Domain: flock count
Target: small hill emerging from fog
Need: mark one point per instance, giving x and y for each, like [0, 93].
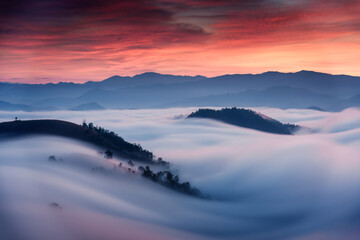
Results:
[87, 133]
[87, 107]
[246, 118]
[316, 108]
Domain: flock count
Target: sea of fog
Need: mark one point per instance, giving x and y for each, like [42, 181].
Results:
[262, 186]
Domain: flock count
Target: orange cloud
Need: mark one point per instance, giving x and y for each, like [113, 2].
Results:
[81, 40]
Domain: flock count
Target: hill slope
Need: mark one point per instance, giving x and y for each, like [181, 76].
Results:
[246, 118]
[87, 107]
[5, 106]
[90, 134]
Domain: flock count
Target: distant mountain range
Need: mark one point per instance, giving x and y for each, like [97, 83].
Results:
[246, 118]
[302, 89]
[87, 107]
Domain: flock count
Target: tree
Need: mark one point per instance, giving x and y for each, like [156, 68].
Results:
[185, 186]
[176, 179]
[108, 154]
[160, 175]
[169, 177]
[147, 172]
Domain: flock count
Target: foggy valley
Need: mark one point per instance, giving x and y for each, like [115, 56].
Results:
[179, 120]
[261, 185]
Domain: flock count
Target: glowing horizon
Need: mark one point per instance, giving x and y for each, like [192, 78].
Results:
[79, 41]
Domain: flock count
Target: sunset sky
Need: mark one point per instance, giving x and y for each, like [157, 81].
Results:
[80, 40]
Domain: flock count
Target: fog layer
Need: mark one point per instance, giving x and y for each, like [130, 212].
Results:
[262, 186]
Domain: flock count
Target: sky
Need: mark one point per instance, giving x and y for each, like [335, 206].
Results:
[81, 40]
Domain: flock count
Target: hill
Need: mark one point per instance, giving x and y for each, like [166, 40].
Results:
[87, 107]
[107, 140]
[316, 108]
[246, 118]
[87, 133]
[278, 96]
[5, 106]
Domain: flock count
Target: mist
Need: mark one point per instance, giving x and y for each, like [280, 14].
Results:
[262, 186]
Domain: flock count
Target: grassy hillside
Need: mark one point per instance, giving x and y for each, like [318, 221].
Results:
[87, 133]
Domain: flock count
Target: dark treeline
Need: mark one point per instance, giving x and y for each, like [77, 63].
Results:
[101, 130]
[86, 132]
[246, 118]
[120, 142]
[168, 179]
[131, 147]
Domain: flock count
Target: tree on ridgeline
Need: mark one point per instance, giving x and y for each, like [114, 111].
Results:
[135, 150]
[167, 178]
[108, 154]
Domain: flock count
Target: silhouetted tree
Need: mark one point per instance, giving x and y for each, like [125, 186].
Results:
[108, 154]
[176, 179]
[135, 151]
[167, 179]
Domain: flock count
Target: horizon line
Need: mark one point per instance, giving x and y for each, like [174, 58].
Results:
[176, 75]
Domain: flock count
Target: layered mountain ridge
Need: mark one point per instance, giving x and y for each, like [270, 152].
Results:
[153, 90]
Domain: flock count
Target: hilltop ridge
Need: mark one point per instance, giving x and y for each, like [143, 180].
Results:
[87, 133]
[246, 118]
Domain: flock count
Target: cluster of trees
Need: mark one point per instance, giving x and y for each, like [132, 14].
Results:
[292, 127]
[52, 158]
[134, 151]
[169, 180]
[101, 130]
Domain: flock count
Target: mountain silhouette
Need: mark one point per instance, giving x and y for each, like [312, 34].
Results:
[5, 106]
[153, 90]
[246, 118]
[88, 107]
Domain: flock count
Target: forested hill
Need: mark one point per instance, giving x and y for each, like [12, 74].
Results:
[86, 132]
[246, 118]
